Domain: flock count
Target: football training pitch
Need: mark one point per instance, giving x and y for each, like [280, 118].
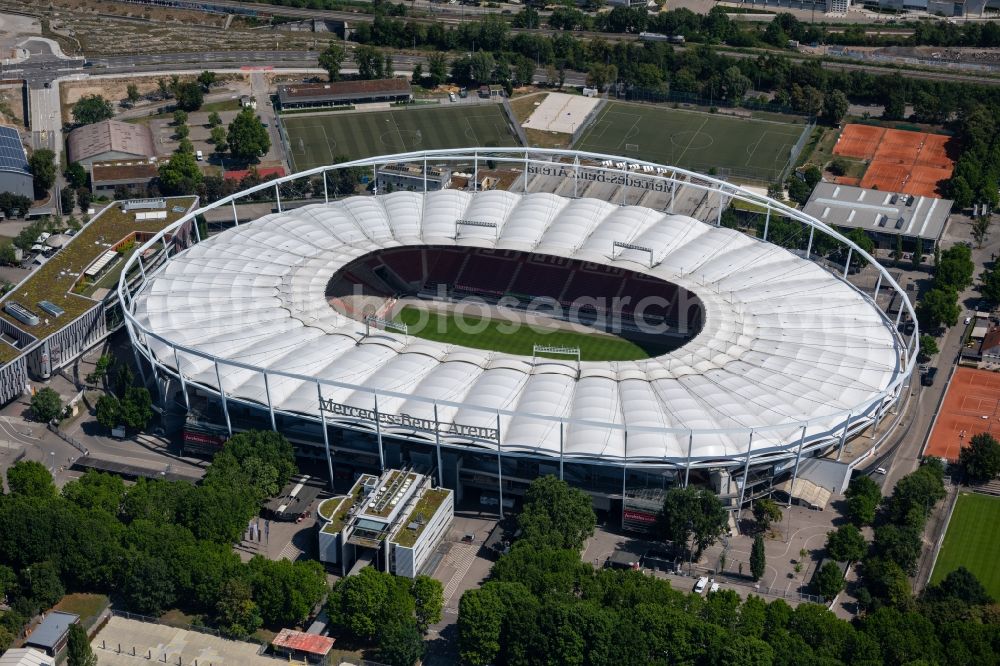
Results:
[493, 334]
[738, 147]
[316, 140]
[973, 541]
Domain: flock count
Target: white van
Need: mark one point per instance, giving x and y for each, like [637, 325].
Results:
[198, 155]
[451, 96]
[699, 587]
[714, 588]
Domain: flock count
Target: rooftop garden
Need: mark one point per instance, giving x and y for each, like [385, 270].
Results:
[422, 513]
[55, 280]
[338, 515]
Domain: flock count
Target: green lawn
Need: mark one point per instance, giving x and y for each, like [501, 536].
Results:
[88, 606]
[973, 541]
[483, 333]
[316, 140]
[734, 147]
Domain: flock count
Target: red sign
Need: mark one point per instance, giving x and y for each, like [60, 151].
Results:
[640, 516]
[199, 438]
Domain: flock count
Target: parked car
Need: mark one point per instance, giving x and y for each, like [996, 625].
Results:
[881, 470]
[699, 587]
[927, 379]
[714, 588]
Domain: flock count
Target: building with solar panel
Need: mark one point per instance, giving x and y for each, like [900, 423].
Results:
[15, 176]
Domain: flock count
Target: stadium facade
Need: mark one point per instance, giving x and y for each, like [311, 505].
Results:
[780, 357]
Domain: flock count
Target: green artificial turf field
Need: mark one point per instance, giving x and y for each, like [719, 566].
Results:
[315, 140]
[736, 147]
[973, 541]
[479, 333]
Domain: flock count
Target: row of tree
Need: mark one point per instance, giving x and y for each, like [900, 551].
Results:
[157, 544]
[542, 604]
[953, 272]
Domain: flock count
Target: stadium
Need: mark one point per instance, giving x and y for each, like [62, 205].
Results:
[753, 357]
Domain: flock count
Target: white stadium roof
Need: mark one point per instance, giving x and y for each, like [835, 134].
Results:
[784, 341]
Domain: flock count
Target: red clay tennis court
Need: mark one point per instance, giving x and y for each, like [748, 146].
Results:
[971, 405]
[899, 160]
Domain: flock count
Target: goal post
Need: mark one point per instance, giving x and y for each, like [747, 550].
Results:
[538, 350]
[631, 148]
[476, 223]
[617, 246]
[380, 323]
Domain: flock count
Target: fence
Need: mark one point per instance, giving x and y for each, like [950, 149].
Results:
[512, 121]
[187, 627]
[793, 156]
[646, 95]
[69, 439]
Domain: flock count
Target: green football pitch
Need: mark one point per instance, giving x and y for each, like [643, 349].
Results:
[736, 147]
[483, 333]
[315, 140]
[973, 541]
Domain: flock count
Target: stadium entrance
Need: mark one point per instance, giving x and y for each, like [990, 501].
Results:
[517, 302]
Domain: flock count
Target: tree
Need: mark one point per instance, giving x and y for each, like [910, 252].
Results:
[206, 80]
[185, 145]
[960, 584]
[96, 491]
[428, 596]
[248, 138]
[180, 117]
[76, 175]
[980, 229]
[734, 85]
[132, 94]
[83, 198]
[369, 61]
[835, 107]
[236, 612]
[980, 460]
[16, 205]
[43, 170]
[358, 602]
[556, 515]
[214, 119]
[928, 347]
[480, 620]
[182, 132]
[148, 584]
[286, 591]
[332, 59]
[108, 411]
[91, 109]
[846, 544]
[829, 580]
[78, 652]
[179, 175]
[991, 285]
[400, 643]
[765, 512]
[46, 405]
[437, 69]
[218, 138]
[8, 256]
[417, 77]
[101, 368]
[189, 96]
[40, 583]
[758, 558]
[692, 512]
[67, 199]
[30, 479]
[955, 268]
[938, 307]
